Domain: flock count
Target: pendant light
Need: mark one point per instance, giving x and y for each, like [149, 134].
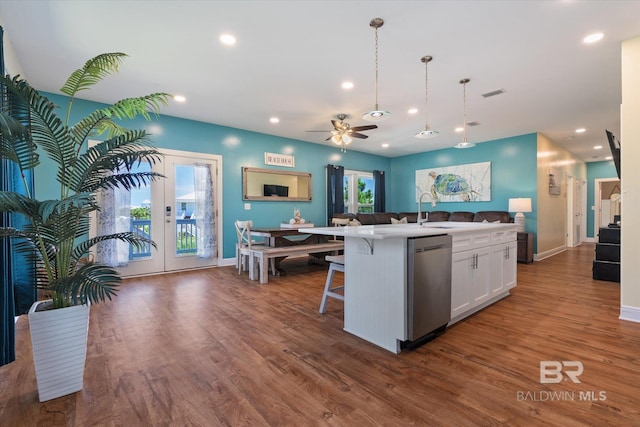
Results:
[377, 114]
[426, 133]
[464, 143]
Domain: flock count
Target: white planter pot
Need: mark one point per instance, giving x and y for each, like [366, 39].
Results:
[59, 341]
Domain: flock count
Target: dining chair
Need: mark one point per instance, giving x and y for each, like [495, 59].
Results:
[336, 263]
[245, 260]
[338, 222]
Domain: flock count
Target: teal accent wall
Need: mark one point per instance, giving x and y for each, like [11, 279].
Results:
[513, 169]
[596, 170]
[513, 174]
[238, 148]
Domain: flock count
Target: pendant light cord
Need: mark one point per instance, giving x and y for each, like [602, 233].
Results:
[464, 112]
[376, 68]
[426, 93]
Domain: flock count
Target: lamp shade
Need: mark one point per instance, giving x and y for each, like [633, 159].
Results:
[521, 204]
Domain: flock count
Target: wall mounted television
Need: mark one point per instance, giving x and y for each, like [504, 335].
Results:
[614, 144]
[276, 190]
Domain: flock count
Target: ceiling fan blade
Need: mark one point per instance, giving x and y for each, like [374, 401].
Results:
[358, 135]
[318, 131]
[329, 138]
[367, 127]
[337, 125]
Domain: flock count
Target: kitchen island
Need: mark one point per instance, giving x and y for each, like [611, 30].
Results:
[375, 304]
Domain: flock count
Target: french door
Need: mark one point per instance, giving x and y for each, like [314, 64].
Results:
[179, 213]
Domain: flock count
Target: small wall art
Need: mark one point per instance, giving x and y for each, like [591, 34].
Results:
[554, 182]
[461, 183]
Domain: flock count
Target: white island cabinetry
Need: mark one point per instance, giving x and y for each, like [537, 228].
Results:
[375, 303]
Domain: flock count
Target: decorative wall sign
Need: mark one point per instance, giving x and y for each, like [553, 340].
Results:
[279, 160]
[554, 182]
[461, 183]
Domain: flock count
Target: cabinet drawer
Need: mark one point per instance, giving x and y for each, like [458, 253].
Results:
[503, 236]
[469, 241]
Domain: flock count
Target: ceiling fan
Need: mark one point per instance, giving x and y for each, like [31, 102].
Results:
[342, 133]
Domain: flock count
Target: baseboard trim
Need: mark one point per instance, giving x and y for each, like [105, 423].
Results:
[549, 253]
[631, 314]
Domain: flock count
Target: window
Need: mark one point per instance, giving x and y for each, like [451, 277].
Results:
[360, 184]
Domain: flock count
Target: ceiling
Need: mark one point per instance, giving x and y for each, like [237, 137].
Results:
[291, 58]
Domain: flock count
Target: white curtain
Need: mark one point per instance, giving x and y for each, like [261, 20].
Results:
[113, 217]
[204, 211]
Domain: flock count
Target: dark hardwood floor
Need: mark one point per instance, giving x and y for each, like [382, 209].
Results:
[210, 347]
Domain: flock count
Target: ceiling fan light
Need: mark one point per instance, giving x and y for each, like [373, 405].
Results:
[336, 139]
[376, 116]
[427, 133]
[346, 139]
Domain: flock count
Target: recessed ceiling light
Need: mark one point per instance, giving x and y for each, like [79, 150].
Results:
[385, 145]
[581, 130]
[412, 110]
[179, 98]
[274, 120]
[459, 129]
[598, 147]
[347, 85]
[227, 39]
[592, 38]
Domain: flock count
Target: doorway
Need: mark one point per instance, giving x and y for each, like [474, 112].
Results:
[607, 200]
[179, 213]
[576, 207]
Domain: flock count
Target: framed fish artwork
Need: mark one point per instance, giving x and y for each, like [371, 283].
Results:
[461, 183]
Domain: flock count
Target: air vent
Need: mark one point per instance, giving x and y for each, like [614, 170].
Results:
[494, 93]
[473, 124]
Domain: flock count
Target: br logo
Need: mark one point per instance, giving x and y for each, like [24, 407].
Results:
[551, 371]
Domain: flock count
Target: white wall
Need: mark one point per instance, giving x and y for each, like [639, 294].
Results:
[630, 154]
[552, 210]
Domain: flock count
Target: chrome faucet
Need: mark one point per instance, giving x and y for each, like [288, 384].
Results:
[433, 204]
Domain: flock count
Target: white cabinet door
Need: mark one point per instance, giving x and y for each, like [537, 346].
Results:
[503, 267]
[510, 277]
[482, 275]
[470, 279]
[462, 266]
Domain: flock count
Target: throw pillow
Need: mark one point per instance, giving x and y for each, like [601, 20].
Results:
[399, 221]
[354, 222]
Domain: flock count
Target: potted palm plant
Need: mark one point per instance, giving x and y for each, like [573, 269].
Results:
[56, 235]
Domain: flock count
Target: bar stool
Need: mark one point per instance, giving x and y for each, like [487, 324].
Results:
[336, 264]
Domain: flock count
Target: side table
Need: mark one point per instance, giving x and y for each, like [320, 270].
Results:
[525, 247]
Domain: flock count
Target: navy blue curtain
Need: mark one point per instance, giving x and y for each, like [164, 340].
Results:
[18, 275]
[379, 202]
[335, 191]
[7, 308]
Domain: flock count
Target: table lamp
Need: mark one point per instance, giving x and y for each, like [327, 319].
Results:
[519, 205]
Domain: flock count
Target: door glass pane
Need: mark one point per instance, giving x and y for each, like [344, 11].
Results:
[185, 206]
[141, 215]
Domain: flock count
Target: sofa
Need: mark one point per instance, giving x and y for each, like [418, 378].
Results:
[433, 216]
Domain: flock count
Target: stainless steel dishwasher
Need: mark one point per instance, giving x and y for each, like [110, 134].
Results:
[428, 288]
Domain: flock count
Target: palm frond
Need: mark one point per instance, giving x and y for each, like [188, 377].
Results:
[92, 283]
[16, 144]
[135, 240]
[100, 163]
[130, 108]
[93, 71]
[45, 126]
[18, 203]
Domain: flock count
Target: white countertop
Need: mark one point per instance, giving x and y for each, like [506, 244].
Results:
[391, 231]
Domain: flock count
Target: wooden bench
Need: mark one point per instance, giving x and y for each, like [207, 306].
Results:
[266, 254]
